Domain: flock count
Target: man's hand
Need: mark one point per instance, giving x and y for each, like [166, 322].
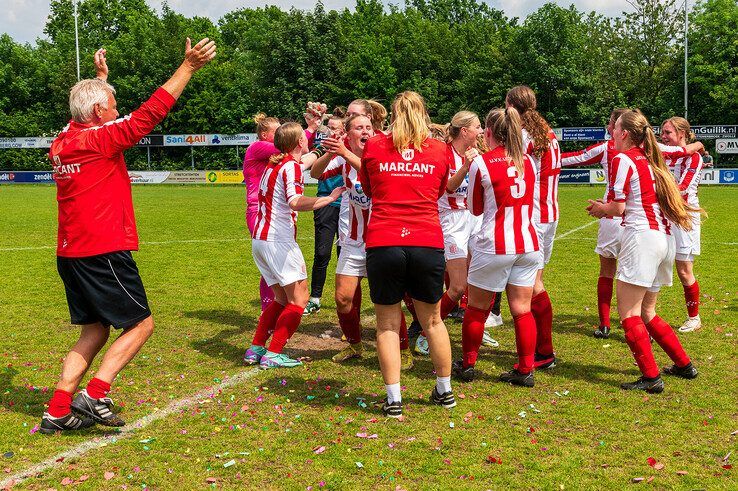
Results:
[199, 55]
[101, 65]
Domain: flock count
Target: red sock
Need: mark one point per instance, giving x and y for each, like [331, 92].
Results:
[542, 311]
[640, 345]
[267, 321]
[495, 296]
[604, 299]
[60, 403]
[287, 323]
[472, 330]
[97, 389]
[350, 326]
[447, 305]
[356, 301]
[525, 341]
[692, 297]
[661, 332]
[404, 343]
[464, 301]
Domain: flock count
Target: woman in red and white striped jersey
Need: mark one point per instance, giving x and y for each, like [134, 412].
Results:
[541, 145]
[676, 131]
[644, 192]
[505, 252]
[275, 248]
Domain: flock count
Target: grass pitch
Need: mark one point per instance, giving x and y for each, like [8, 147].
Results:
[317, 426]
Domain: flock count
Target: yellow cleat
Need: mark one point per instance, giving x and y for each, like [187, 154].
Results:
[349, 352]
[406, 359]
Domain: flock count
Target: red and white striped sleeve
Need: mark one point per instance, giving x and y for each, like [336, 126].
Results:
[621, 172]
[672, 153]
[334, 168]
[690, 172]
[292, 179]
[593, 154]
[475, 193]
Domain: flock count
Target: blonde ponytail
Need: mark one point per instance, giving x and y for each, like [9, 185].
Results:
[286, 138]
[505, 126]
[410, 121]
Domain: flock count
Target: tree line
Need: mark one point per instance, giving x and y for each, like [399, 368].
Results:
[459, 54]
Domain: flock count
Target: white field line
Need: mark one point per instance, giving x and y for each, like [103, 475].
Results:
[569, 232]
[127, 431]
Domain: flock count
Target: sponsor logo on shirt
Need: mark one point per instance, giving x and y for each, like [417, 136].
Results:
[406, 167]
[408, 154]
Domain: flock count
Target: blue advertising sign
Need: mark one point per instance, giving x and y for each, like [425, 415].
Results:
[728, 176]
[583, 134]
[34, 177]
[574, 175]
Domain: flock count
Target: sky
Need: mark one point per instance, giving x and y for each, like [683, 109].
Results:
[24, 20]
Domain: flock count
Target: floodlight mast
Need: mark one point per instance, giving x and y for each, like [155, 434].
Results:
[76, 35]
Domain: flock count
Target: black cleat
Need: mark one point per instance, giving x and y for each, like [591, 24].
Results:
[602, 332]
[414, 330]
[446, 399]
[688, 371]
[463, 374]
[392, 410]
[652, 386]
[68, 422]
[457, 314]
[544, 362]
[97, 409]
[516, 378]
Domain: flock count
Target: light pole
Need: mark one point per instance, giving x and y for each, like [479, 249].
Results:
[76, 35]
[686, 51]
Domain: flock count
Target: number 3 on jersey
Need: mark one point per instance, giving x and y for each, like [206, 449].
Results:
[517, 190]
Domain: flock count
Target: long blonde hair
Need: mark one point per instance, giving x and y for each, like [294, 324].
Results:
[523, 99]
[670, 199]
[410, 121]
[462, 119]
[505, 126]
[263, 122]
[681, 125]
[286, 138]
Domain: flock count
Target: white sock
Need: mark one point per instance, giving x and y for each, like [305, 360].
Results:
[315, 300]
[393, 393]
[443, 384]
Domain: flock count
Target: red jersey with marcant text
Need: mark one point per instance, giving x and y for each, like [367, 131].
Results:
[404, 189]
[505, 199]
[93, 189]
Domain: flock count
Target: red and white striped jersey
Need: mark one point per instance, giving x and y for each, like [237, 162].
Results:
[634, 184]
[280, 184]
[687, 172]
[548, 169]
[505, 199]
[359, 203]
[455, 200]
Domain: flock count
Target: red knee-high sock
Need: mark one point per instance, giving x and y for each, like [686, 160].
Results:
[447, 305]
[60, 403]
[472, 330]
[525, 341]
[604, 299]
[464, 301]
[692, 298]
[350, 326]
[267, 322]
[661, 332]
[356, 301]
[636, 336]
[542, 312]
[287, 323]
[97, 388]
[495, 296]
[404, 343]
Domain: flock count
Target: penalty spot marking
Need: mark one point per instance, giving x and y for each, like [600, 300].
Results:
[127, 431]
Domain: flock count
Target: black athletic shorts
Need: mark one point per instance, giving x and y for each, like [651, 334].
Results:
[392, 271]
[105, 288]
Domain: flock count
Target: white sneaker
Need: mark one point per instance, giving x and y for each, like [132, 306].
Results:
[691, 324]
[493, 320]
[487, 340]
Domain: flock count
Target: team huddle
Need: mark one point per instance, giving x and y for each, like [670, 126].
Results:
[432, 215]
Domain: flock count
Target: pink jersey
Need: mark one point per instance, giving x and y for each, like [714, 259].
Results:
[505, 199]
[280, 184]
[254, 163]
[634, 184]
[455, 200]
[687, 172]
[359, 203]
[548, 169]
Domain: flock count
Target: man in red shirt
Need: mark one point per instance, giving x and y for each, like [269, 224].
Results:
[97, 232]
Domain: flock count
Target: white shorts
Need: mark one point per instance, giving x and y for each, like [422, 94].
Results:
[608, 237]
[687, 242]
[279, 262]
[475, 226]
[352, 261]
[546, 233]
[646, 259]
[456, 232]
[493, 272]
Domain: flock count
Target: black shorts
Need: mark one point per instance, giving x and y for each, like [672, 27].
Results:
[392, 271]
[105, 288]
